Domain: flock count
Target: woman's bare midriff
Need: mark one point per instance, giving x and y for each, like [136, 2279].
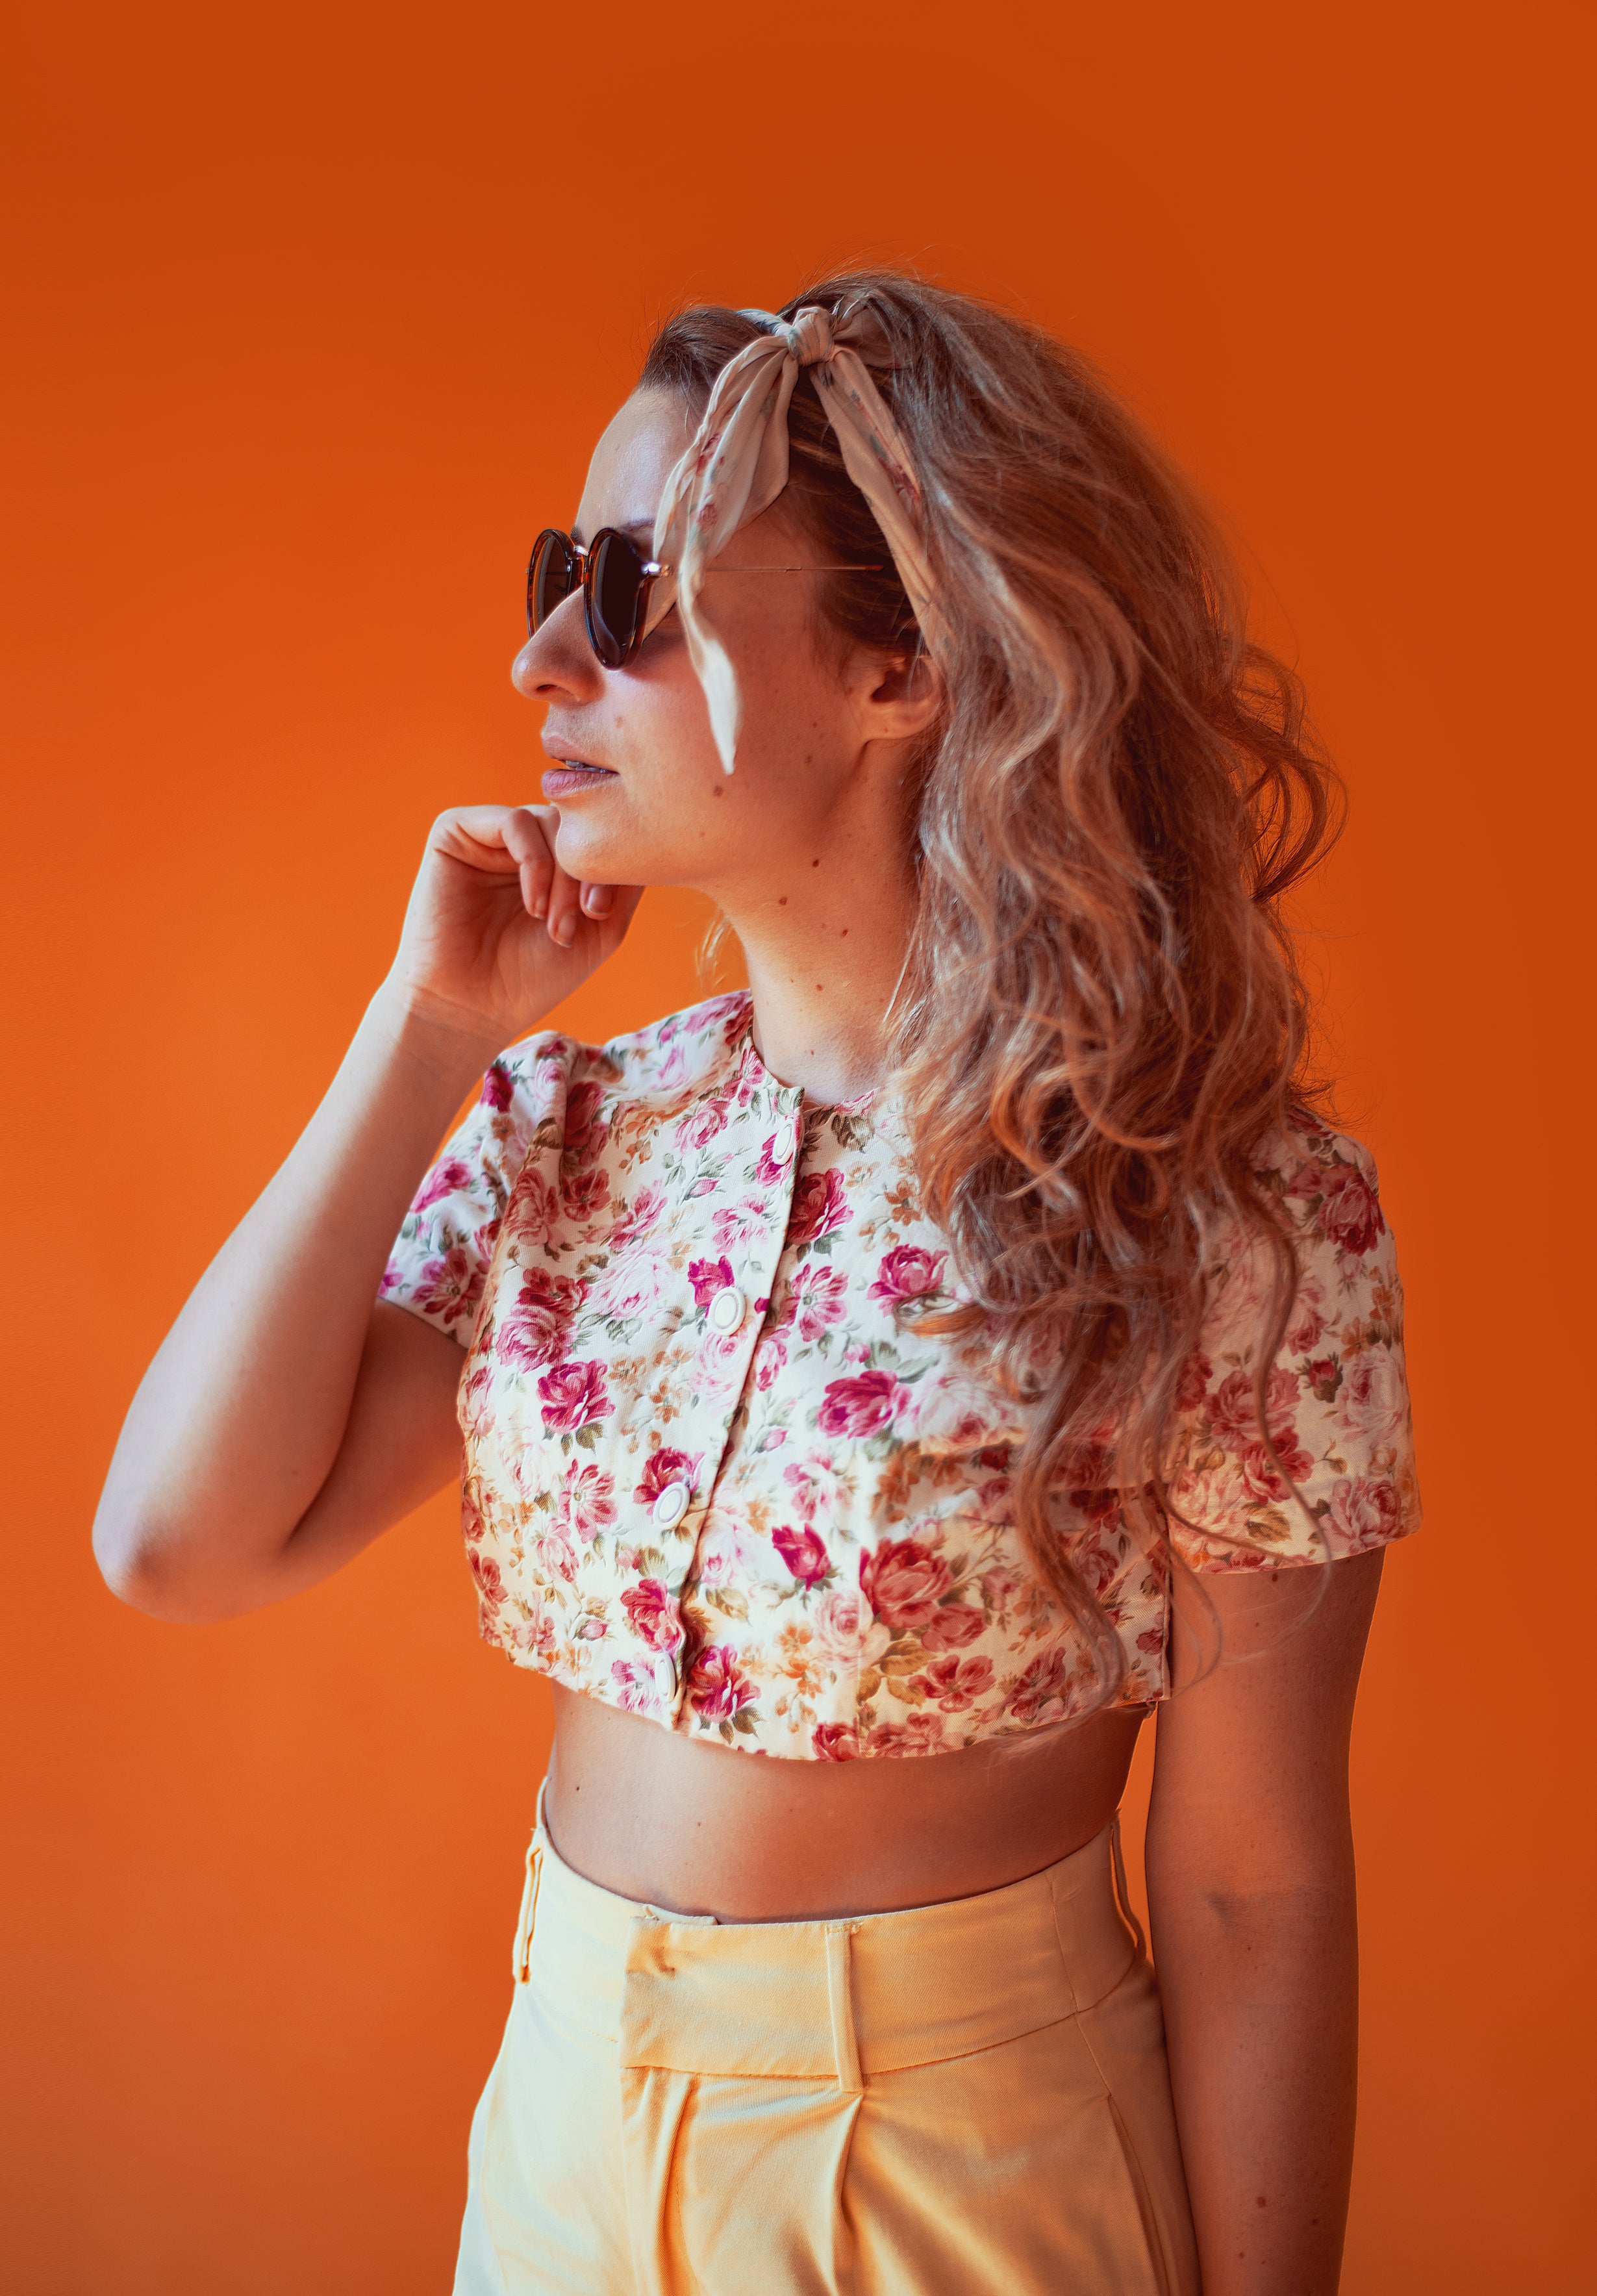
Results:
[694, 1828]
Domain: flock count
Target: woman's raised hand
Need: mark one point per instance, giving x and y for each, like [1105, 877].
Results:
[496, 931]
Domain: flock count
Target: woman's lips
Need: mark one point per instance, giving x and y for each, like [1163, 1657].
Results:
[569, 776]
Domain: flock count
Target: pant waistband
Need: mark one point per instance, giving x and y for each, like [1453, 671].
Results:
[822, 1999]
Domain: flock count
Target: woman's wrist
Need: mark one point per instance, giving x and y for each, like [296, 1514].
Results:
[451, 1046]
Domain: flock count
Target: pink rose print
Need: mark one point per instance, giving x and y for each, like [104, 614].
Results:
[719, 1362]
[907, 1272]
[708, 1277]
[635, 1283]
[1096, 1565]
[803, 1553]
[635, 1693]
[498, 1087]
[572, 1395]
[1361, 1514]
[535, 1634]
[1372, 1402]
[1232, 1418]
[553, 1554]
[443, 1180]
[700, 1125]
[588, 1498]
[861, 1405]
[739, 1224]
[450, 1287]
[491, 1589]
[1349, 1207]
[534, 1210]
[1265, 1476]
[834, 1742]
[955, 1682]
[917, 1734]
[1196, 1374]
[666, 1466]
[1090, 1490]
[582, 1194]
[952, 1626]
[1324, 1376]
[817, 1487]
[477, 1398]
[772, 1167]
[585, 1138]
[819, 1206]
[770, 1361]
[903, 1581]
[819, 1298]
[731, 1011]
[652, 1614]
[1096, 1506]
[638, 1216]
[1308, 1316]
[718, 1686]
[1042, 1694]
[996, 1499]
[536, 1326]
[840, 1626]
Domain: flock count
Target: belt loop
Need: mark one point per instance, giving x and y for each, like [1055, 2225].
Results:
[1122, 1894]
[521, 1959]
[845, 2048]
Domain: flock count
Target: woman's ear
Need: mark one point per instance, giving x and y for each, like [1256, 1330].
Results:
[905, 695]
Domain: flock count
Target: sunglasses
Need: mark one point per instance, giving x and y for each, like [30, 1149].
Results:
[616, 581]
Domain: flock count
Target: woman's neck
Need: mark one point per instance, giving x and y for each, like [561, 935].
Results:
[825, 952]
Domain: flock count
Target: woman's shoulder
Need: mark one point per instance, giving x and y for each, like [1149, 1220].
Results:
[1320, 1194]
[680, 1051]
[1326, 1182]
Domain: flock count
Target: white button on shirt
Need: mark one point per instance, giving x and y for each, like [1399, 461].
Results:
[671, 1505]
[727, 1308]
[665, 1674]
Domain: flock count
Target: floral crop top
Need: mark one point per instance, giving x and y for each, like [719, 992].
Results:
[714, 1475]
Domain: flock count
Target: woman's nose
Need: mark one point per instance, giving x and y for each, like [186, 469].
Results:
[557, 658]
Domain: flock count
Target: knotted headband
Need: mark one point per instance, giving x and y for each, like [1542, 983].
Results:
[737, 465]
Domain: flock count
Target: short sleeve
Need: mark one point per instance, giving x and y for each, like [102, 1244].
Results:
[1336, 1395]
[441, 1258]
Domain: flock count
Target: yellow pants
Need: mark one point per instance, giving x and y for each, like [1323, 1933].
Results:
[968, 2099]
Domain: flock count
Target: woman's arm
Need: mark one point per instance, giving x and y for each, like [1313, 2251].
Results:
[286, 1420]
[1250, 1890]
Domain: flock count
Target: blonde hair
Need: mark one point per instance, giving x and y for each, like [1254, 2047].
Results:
[1102, 1019]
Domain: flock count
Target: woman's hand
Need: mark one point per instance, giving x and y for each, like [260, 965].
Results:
[286, 1420]
[496, 933]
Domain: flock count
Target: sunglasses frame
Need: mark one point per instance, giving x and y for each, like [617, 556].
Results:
[582, 557]
[649, 570]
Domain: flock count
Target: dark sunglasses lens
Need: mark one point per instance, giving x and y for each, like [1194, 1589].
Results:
[550, 577]
[615, 599]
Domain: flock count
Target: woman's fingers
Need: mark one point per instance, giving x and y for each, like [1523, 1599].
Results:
[525, 834]
[547, 893]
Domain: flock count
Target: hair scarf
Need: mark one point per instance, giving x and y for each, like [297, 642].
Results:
[737, 465]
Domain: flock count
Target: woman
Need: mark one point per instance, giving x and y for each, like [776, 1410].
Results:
[938, 1353]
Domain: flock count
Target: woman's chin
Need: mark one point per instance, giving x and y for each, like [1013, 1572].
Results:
[593, 860]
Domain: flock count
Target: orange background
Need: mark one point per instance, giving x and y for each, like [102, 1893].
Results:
[314, 314]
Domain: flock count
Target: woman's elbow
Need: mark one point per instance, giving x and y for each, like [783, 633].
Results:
[143, 1565]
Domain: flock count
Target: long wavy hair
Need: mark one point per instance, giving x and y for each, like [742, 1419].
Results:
[1102, 1019]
